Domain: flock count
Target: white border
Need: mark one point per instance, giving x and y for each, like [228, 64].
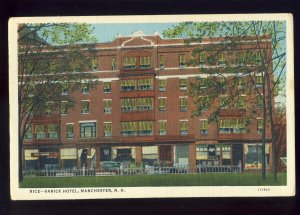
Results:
[151, 192]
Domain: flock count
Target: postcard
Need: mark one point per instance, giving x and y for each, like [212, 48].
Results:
[160, 106]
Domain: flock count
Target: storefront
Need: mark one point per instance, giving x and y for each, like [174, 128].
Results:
[68, 158]
[253, 155]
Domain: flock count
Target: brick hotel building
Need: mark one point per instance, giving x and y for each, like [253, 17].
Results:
[141, 109]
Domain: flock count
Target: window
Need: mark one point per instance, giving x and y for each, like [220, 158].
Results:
[113, 64]
[259, 126]
[85, 106]
[259, 81]
[204, 127]
[107, 105]
[85, 89]
[64, 107]
[145, 103]
[259, 100]
[162, 104]
[145, 62]
[128, 104]
[240, 58]
[49, 108]
[202, 83]
[183, 84]
[145, 128]
[241, 103]
[241, 83]
[129, 63]
[107, 129]
[223, 82]
[204, 102]
[28, 134]
[64, 89]
[161, 61]
[128, 85]
[94, 64]
[226, 154]
[223, 101]
[228, 126]
[257, 57]
[53, 131]
[70, 130]
[129, 128]
[88, 130]
[183, 104]
[182, 60]
[40, 131]
[183, 127]
[222, 58]
[162, 127]
[162, 85]
[202, 58]
[107, 87]
[145, 84]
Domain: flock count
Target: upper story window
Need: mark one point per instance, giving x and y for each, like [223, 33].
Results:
[70, 130]
[85, 106]
[28, 134]
[259, 126]
[64, 107]
[202, 58]
[40, 131]
[95, 64]
[145, 62]
[205, 102]
[228, 126]
[49, 108]
[128, 104]
[53, 131]
[114, 63]
[241, 83]
[184, 127]
[223, 82]
[107, 105]
[222, 58]
[145, 103]
[182, 61]
[129, 128]
[145, 128]
[259, 81]
[162, 104]
[240, 58]
[145, 84]
[204, 126]
[223, 101]
[107, 129]
[85, 88]
[130, 63]
[183, 84]
[88, 130]
[257, 58]
[183, 104]
[241, 103]
[128, 85]
[259, 100]
[162, 85]
[161, 62]
[162, 127]
[64, 89]
[107, 87]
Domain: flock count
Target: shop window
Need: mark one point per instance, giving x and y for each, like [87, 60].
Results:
[88, 130]
[64, 107]
[145, 103]
[183, 84]
[94, 64]
[204, 127]
[161, 61]
[145, 128]
[107, 87]
[149, 154]
[162, 85]
[113, 64]
[182, 61]
[162, 104]
[85, 106]
[128, 85]
[70, 130]
[129, 128]
[145, 84]
[107, 105]
[40, 131]
[129, 63]
[229, 126]
[85, 89]
[241, 103]
[162, 127]
[107, 129]
[183, 104]
[145, 62]
[201, 153]
[183, 127]
[52, 131]
[28, 134]
[128, 104]
[253, 155]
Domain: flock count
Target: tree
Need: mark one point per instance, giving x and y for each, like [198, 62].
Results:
[50, 58]
[252, 65]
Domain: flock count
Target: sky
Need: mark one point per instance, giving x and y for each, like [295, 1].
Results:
[108, 32]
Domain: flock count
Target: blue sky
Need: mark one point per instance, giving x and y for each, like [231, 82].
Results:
[108, 32]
